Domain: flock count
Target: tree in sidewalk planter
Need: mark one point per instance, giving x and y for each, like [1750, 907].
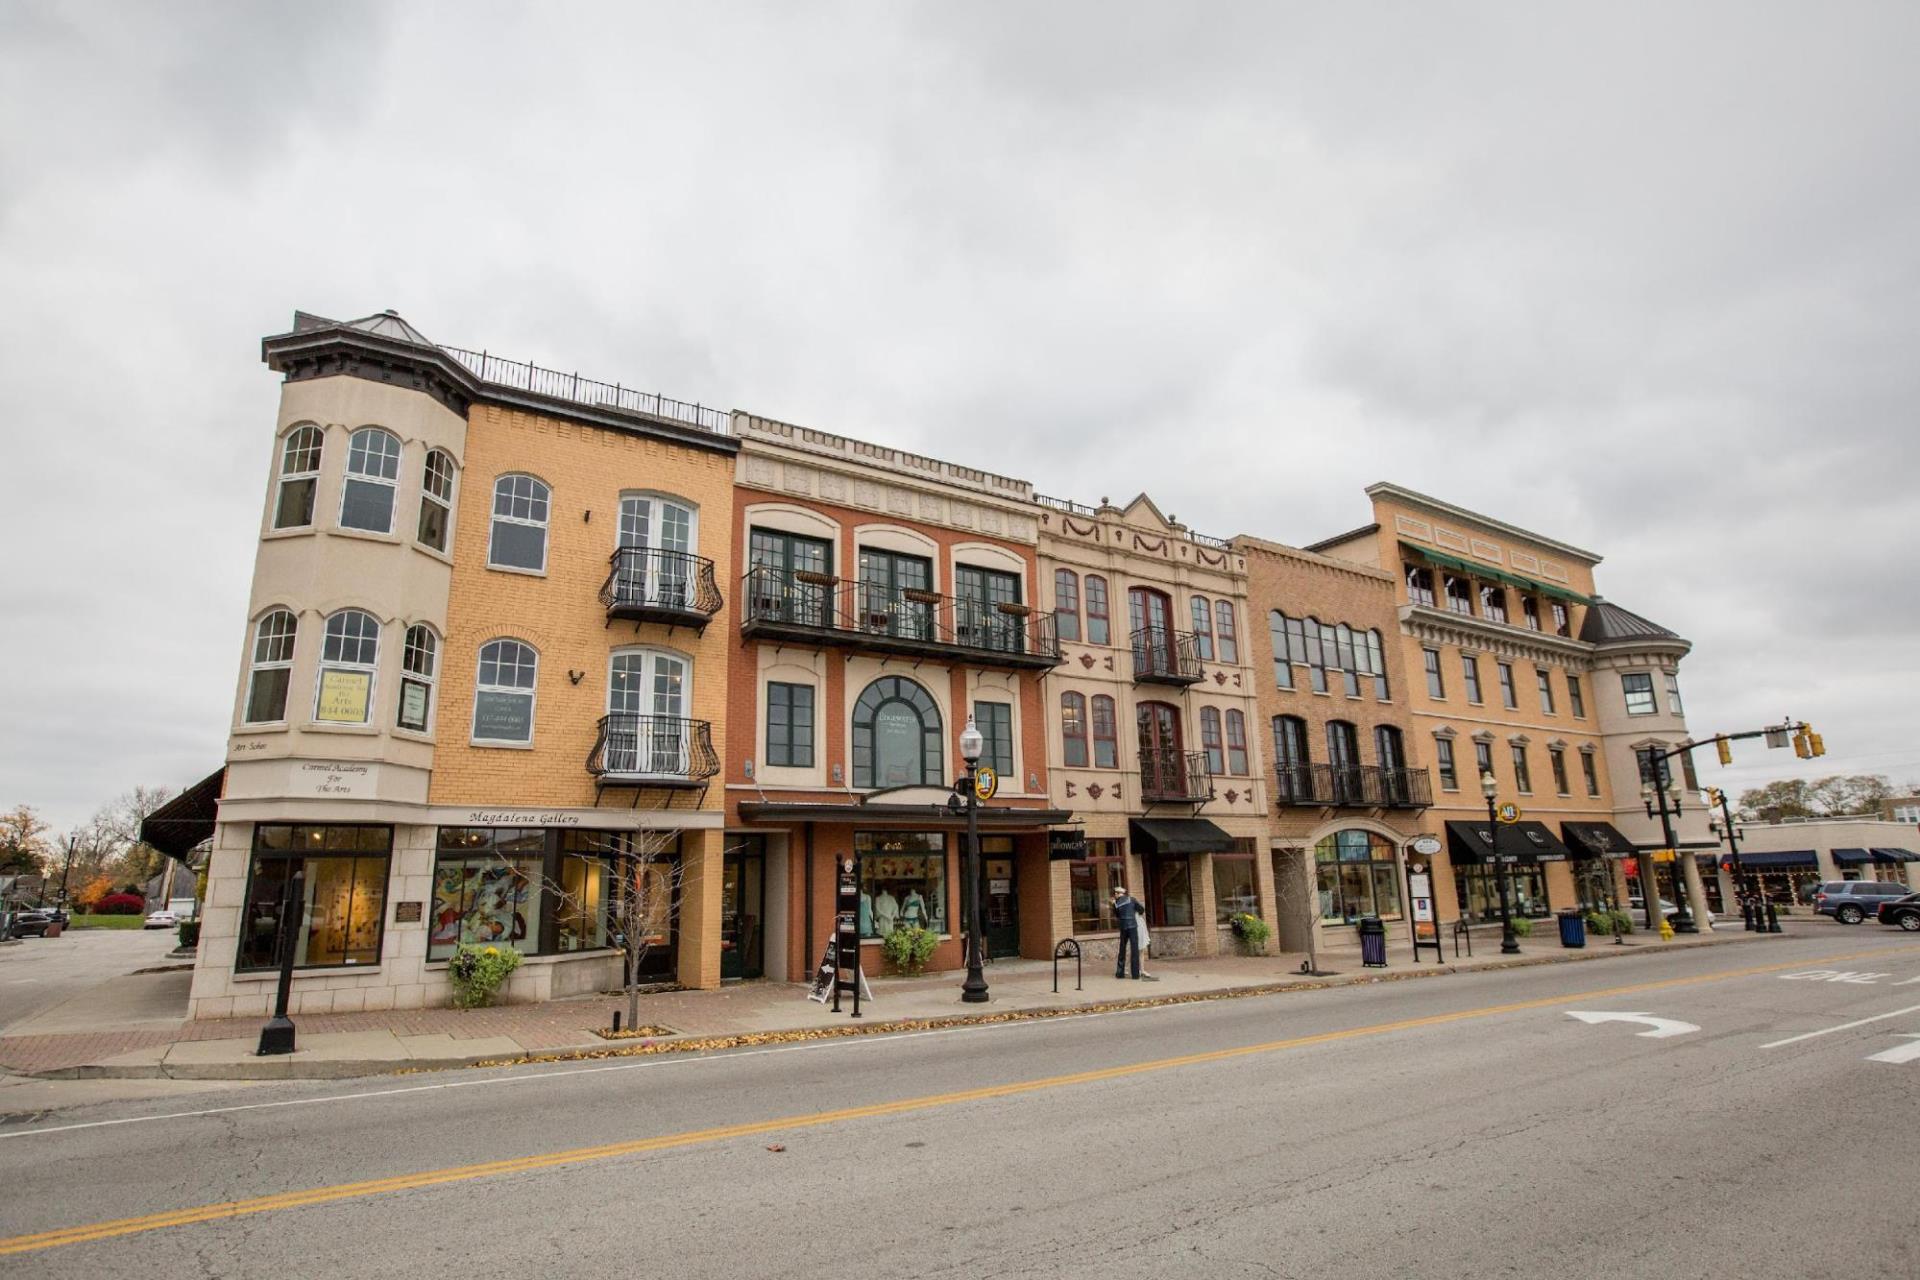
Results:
[1297, 900]
[907, 949]
[1253, 933]
[478, 972]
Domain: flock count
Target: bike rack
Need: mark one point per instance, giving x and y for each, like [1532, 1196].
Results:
[1067, 947]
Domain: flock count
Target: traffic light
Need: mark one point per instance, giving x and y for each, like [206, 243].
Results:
[1801, 746]
[1817, 743]
[1726, 751]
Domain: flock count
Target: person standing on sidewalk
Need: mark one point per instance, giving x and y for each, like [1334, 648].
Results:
[1127, 917]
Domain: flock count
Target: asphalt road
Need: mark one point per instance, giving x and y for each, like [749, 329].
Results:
[1454, 1126]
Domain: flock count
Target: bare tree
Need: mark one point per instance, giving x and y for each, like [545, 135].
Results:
[24, 845]
[1297, 900]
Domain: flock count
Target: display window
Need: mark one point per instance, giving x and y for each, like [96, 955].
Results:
[1091, 881]
[1169, 891]
[1234, 893]
[1358, 876]
[903, 881]
[339, 878]
[1479, 890]
[489, 889]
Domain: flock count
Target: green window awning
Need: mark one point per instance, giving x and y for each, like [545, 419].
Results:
[1489, 573]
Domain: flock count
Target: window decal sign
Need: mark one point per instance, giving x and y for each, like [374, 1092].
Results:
[344, 696]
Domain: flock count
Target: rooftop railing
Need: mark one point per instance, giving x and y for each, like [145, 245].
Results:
[527, 376]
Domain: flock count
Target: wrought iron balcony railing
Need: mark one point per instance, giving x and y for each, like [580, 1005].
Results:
[648, 584]
[819, 609]
[1176, 777]
[1353, 786]
[1163, 656]
[662, 751]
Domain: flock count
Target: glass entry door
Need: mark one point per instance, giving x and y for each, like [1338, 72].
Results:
[1001, 905]
[742, 903]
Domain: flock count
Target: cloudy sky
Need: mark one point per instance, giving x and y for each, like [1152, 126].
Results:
[1642, 277]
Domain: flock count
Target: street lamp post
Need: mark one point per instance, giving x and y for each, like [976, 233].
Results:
[1761, 917]
[1653, 793]
[1509, 945]
[66, 871]
[972, 746]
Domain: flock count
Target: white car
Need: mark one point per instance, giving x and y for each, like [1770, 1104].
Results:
[161, 920]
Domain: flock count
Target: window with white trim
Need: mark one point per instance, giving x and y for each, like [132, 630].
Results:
[349, 655]
[503, 692]
[518, 539]
[1673, 693]
[299, 475]
[436, 499]
[419, 659]
[373, 478]
[272, 667]
[1638, 688]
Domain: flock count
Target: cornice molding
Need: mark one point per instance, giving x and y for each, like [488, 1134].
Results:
[1443, 626]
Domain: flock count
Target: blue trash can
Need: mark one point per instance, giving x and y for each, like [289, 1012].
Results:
[1373, 942]
[1573, 929]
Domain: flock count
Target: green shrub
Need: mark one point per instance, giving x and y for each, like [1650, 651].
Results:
[189, 934]
[478, 972]
[1253, 933]
[909, 948]
[1522, 927]
[1600, 923]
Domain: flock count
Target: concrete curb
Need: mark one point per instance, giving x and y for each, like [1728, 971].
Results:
[294, 1067]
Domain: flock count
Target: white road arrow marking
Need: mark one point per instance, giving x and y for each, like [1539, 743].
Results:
[1661, 1027]
[1909, 1052]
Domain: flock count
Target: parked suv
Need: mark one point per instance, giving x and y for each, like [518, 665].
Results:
[1851, 901]
[1904, 912]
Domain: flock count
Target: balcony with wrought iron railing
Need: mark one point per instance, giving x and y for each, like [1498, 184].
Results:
[816, 608]
[1171, 776]
[1356, 786]
[635, 750]
[1162, 656]
[648, 584]
[524, 375]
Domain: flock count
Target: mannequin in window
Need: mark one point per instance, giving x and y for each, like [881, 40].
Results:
[886, 912]
[913, 911]
[866, 914]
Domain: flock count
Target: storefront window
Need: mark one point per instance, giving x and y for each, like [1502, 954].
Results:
[489, 886]
[339, 874]
[1169, 892]
[903, 881]
[1358, 876]
[1479, 890]
[1593, 881]
[1091, 882]
[1233, 886]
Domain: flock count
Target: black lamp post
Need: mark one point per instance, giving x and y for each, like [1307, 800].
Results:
[1653, 793]
[972, 746]
[1758, 913]
[1509, 945]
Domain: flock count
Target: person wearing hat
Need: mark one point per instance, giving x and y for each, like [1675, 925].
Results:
[1127, 917]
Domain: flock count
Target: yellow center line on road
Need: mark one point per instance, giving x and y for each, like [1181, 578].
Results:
[89, 1232]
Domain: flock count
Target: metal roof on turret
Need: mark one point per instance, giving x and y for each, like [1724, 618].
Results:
[1608, 623]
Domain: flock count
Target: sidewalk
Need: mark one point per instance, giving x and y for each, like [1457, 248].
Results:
[358, 1044]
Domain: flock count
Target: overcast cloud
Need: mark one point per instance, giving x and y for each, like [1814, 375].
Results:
[1642, 278]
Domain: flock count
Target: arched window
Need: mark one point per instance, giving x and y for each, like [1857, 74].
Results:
[273, 639]
[419, 661]
[1203, 627]
[1098, 629]
[348, 657]
[1358, 876]
[519, 536]
[1281, 638]
[373, 473]
[1106, 733]
[1066, 604]
[1073, 729]
[436, 499]
[657, 535]
[1343, 758]
[1349, 663]
[299, 473]
[1212, 741]
[1237, 743]
[1229, 638]
[1291, 760]
[503, 692]
[1377, 655]
[896, 736]
[647, 729]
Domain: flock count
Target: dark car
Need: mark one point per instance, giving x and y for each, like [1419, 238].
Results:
[31, 923]
[1904, 912]
[1851, 901]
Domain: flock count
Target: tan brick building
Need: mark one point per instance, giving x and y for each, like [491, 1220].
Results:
[481, 696]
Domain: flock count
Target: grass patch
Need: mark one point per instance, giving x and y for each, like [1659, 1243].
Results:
[106, 922]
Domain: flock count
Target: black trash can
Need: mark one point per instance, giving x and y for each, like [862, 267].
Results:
[1373, 942]
[1573, 929]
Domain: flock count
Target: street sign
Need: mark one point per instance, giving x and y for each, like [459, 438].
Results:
[846, 941]
[985, 782]
[1426, 922]
[1507, 814]
[1426, 846]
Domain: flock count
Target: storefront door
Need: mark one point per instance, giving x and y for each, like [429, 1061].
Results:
[742, 908]
[1002, 900]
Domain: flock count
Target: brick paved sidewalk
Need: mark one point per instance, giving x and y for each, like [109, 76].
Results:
[368, 1043]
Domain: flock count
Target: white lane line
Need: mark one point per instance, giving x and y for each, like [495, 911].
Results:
[664, 1060]
[1845, 1026]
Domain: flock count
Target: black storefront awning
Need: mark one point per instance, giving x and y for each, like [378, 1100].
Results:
[1177, 835]
[1786, 858]
[1851, 857]
[183, 823]
[1894, 855]
[1469, 843]
[875, 817]
[1595, 840]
